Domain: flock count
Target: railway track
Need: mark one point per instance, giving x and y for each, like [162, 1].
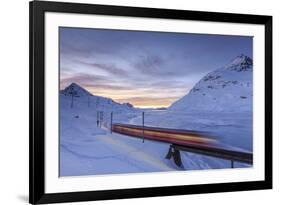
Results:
[184, 140]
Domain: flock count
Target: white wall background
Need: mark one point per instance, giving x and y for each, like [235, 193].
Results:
[14, 44]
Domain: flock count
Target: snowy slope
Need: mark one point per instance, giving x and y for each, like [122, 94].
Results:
[227, 89]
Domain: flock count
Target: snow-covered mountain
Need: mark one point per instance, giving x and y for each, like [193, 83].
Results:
[75, 90]
[227, 89]
[83, 98]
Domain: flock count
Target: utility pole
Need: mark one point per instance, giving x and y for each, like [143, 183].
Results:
[73, 93]
[111, 121]
[71, 101]
[97, 118]
[142, 127]
[101, 117]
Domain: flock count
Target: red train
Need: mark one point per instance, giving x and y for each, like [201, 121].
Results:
[173, 136]
[185, 140]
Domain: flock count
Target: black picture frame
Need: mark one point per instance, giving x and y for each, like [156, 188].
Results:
[37, 9]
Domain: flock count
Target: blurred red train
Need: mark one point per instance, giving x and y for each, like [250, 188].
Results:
[173, 136]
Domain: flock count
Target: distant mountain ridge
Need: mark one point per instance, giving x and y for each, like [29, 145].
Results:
[78, 92]
[227, 89]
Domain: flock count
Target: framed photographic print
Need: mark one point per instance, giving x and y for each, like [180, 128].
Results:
[140, 102]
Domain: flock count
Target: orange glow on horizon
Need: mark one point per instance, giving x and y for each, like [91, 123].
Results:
[138, 98]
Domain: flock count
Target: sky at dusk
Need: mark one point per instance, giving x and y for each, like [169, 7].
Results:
[146, 69]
